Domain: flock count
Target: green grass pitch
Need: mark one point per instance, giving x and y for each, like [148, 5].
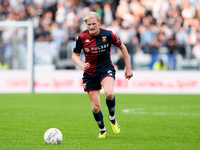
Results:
[148, 122]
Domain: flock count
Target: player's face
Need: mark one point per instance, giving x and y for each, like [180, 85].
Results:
[93, 26]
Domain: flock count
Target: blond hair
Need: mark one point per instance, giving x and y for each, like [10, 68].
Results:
[91, 14]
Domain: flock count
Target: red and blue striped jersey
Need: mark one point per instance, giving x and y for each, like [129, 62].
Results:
[97, 49]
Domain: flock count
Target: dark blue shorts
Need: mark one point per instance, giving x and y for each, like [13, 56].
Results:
[93, 82]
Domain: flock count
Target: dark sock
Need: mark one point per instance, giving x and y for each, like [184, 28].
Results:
[99, 119]
[111, 106]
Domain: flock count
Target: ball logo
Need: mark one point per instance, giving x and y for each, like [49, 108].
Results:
[51, 135]
[58, 140]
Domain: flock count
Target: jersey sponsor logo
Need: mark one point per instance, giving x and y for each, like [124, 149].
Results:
[98, 49]
[104, 38]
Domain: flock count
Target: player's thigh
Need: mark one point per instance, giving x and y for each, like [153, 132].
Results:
[108, 83]
[94, 97]
[108, 86]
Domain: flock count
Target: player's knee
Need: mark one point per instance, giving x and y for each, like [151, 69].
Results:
[96, 108]
[109, 95]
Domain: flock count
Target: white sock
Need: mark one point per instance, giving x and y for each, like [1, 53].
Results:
[112, 117]
[104, 129]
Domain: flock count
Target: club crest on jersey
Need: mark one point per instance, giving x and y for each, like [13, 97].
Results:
[104, 38]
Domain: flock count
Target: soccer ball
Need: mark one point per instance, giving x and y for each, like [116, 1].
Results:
[53, 136]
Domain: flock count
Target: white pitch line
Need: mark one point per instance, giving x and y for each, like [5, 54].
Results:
[143, 111]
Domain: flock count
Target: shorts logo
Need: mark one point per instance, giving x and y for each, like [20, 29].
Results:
[84, 86]
[104, 38]
[110, 72]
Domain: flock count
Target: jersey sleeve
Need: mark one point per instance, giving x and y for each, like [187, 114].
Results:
[78, 45]
[115, 40]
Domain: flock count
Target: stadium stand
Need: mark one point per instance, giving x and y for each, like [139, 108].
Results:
[170, 27]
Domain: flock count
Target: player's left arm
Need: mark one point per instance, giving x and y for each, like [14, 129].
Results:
[128, 72]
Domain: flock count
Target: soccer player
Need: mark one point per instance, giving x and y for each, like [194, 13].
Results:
[98, 69]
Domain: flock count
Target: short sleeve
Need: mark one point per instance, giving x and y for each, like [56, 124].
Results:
[78, 45]
[115, 40]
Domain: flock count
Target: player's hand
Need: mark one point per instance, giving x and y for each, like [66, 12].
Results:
[128, 74]
[85, 66]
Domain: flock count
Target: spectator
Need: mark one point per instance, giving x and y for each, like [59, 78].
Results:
[125, 35]
[3, 66]
[120, 62]
[192, 38]
[159, 65]
[122, 10]
[107, 16]
[58, 34]
[188, 11]
[32, 15]
[181, 36]
[155, 46]
[171, 44]
[197, 14]
[155, 23]
[196, 50]
[162, 39]
[146, 39]
[115, 26]
[137, 9]
[60, 14]
[97, 8]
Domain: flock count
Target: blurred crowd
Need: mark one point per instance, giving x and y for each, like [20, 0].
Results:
[144, 26]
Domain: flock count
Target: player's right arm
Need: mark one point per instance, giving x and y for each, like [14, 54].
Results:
[77, 60]
[76, 53]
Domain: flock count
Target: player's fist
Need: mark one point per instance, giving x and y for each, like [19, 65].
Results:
[128, 74]
[85, 66]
